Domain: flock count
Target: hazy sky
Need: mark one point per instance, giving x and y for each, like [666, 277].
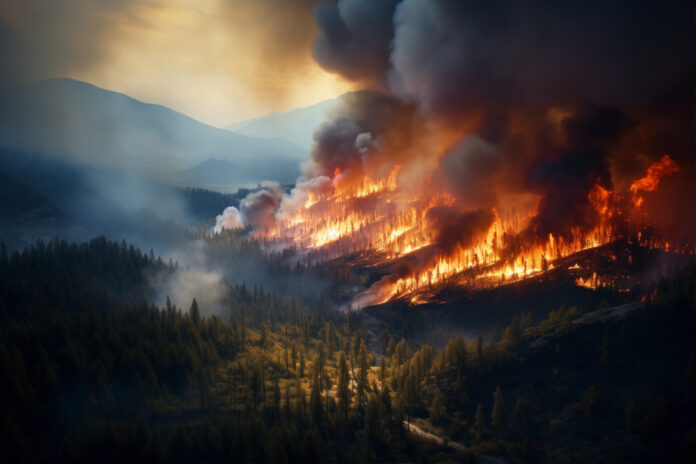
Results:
[219, 61]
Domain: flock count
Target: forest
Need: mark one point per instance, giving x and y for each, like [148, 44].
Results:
[93, 370]
[347, 231]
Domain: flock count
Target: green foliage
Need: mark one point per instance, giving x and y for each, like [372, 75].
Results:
[589, 404]
[92, 372]
[438, 410]
[498, 413]
[478, 431]
[89, 366]
[522, 414]
[343, 386]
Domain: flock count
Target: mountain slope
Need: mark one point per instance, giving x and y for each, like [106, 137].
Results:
[296, 125]
[26, 215]
[218, 175]
[84, 123]
[96, 201]
[19, 200]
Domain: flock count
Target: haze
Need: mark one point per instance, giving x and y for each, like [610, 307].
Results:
[217, 61]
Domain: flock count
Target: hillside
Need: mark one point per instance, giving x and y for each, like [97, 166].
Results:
[26, 215]
[59, 198]
[84, 123]
[96, 372]
[227, 176]
[296, 126]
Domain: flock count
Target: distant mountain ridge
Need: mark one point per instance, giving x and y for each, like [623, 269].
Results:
[26, 215]
[296, 125]
[20, 201]
[84, 123]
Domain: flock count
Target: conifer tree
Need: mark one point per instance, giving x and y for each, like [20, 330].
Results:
[498, 414]
[195, 313]
[478, 430]
[343, 386]
[362, 374]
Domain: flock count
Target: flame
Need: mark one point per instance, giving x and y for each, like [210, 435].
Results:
[386, 224]
[650, 182]
[593, 282]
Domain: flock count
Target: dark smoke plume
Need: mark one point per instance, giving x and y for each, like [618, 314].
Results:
[514, 80]
[258, 208]
[488, 100]
[565, 181]
[354, 38]
[454, 228]
[370, 130]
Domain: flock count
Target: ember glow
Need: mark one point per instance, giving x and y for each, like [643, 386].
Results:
[392, 224]
[650, 182]
[472, 165]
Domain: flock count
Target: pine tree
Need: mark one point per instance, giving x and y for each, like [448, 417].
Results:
[195, 313]
[438, 411]
[478, 430]
[386, 407]
[343, 387]
[315, 404]
[276, 398]
[522, 413]
[286, 401]
[362, 374]
[498, 414]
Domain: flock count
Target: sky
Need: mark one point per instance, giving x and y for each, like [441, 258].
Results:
[218, 61]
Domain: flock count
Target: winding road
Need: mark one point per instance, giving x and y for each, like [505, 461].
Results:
[417, 431]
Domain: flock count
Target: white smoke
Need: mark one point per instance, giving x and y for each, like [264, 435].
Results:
[229, 219]
[298, 196]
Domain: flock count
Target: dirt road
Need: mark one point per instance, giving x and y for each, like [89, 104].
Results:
[482, 458]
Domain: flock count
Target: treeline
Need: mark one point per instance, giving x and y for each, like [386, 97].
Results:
[617, 385]
[91, 371]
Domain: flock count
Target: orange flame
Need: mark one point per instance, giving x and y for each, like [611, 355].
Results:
[383, 222]
[650, 182]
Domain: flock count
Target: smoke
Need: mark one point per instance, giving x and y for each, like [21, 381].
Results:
[456, 57]
[277, 37]
[182, 286]
[473, 109]
[565, 180]
[469, 170]
[258, 208]
[454, 228]
[373, 134]
[368, 132]
[513, 82]
[194, 277]
[230, 219]
[354, 38]
[462, 60]
[43, 39]
[299, 195]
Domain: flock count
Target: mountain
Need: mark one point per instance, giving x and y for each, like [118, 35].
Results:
[46, 197]
[81, 122]
[296, 125]
[218, 175]
[26, 215]
[18, 200]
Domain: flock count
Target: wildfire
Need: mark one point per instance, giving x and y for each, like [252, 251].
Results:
[391, 226]
[650, 182]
